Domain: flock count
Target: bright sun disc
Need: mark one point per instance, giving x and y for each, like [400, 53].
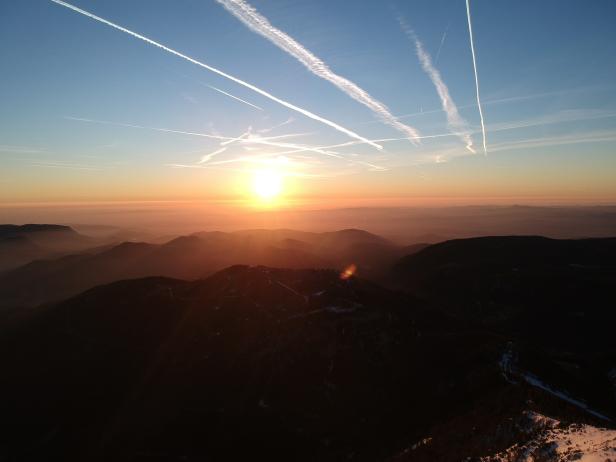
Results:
[267, 183]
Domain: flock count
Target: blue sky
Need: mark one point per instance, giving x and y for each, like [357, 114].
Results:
[546, 71]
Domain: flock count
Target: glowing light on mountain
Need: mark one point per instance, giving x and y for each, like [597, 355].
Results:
[348, 272]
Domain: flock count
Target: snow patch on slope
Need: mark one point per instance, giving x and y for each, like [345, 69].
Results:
[556, 443]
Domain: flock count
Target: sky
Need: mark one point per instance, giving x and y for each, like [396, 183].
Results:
[306, 89]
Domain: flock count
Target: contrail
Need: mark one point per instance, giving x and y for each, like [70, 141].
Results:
[209, 156]
[165, 130]
[440, 47]
[470, 34]
[261, 25]
[241, 137]
[454, 121]
[235, 97]
[225, 139]
[600, 136]
[560, 117]
[258, 90]
[282, 124]
[297, 147]
[509, 99]
[384, 140]
[245, 138]
[223, 147]
[63, 165]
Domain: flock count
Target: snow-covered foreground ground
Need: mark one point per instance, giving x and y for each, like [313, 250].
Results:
[552, 441]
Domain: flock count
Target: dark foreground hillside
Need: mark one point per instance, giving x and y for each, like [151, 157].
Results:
[251, 362]
[255, 363]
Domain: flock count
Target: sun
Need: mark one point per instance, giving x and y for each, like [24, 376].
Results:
[267, 184]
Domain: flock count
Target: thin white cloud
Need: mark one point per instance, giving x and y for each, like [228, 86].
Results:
[559, 117]
[472, 43]
[261, 25]
[237, 80]
[21, 149]
[63, 165]
[235, 97]
[598, 136]
[454, 120]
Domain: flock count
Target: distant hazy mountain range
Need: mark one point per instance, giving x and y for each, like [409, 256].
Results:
[20, 244]
[195, 256]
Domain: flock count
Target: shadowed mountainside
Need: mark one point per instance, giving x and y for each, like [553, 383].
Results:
[521, 283]
[552, 298]
[294, 364]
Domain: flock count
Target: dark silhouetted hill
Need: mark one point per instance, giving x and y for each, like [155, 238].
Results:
[531, 285]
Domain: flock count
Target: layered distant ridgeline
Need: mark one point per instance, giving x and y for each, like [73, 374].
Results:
[489, 349]
[20, 244]
[195, 256]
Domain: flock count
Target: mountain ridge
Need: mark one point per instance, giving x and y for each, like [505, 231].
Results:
[194, 256]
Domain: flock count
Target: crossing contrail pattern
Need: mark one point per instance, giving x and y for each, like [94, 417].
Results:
[454, 120]
[237, 80]
[470, 33]
[261, 25]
